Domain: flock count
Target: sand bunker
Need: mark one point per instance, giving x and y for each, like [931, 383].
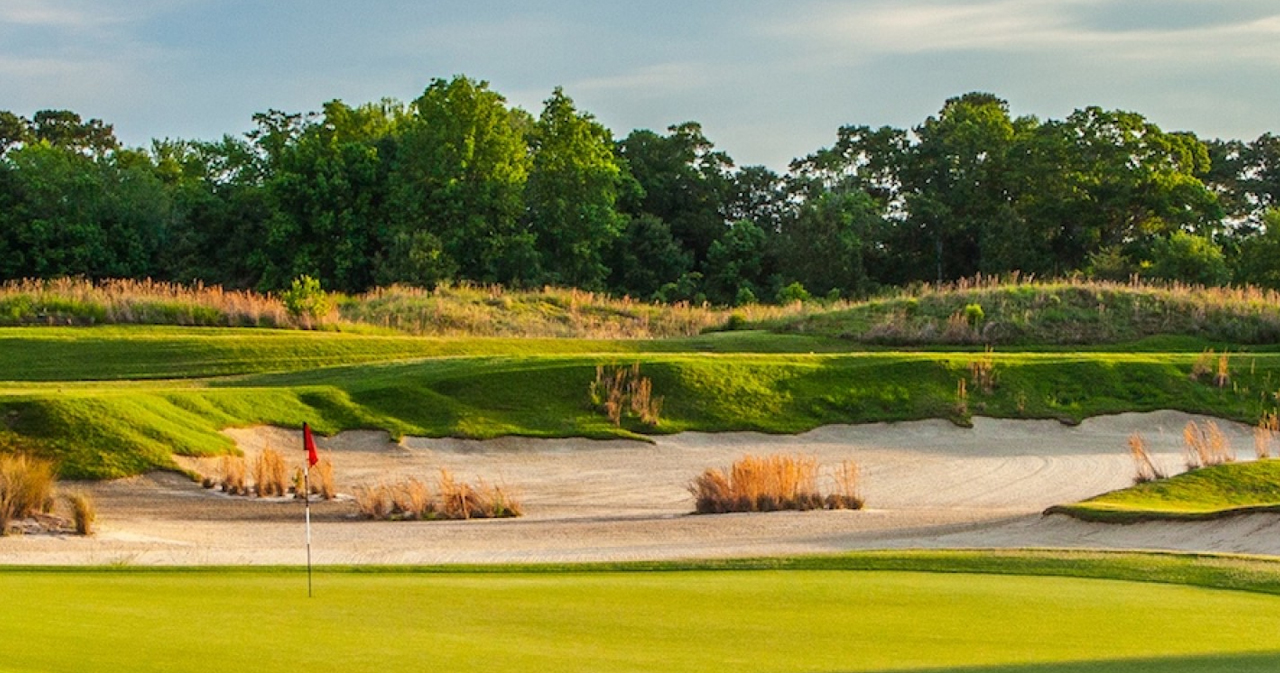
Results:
[928, 484]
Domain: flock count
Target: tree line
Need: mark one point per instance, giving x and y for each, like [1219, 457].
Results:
[459, 185]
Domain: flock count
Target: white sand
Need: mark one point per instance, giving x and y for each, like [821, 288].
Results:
[928, 484]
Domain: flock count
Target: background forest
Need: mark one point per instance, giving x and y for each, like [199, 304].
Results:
[458, 185]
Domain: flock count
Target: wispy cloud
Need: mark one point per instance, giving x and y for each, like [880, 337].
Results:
[870, 29]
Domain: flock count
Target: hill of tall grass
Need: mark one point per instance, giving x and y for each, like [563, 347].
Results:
[1011, 312]
[447, 311]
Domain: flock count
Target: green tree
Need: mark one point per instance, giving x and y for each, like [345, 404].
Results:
[1188, 258]
[736, 262]
[572, 192]
[460, 175]
[683, 180]
[1258, 259]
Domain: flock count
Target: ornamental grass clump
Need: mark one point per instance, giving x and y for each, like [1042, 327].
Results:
[772, 483]
[84, 512]
[622, 391]
[1264, 434]
[26, 487]
[233, 475]
[270, 474]
[1205, 446]
[412, 499]
[1145, 468]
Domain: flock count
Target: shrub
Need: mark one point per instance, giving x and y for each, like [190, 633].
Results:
[305, 300]
[26, 487]
[83, 512]
[793, 293]
[973, 314]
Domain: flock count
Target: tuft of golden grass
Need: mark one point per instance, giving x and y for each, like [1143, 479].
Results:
[623, 390]
[270, 474]
[84, 512]
[1145, 468]
[233, 475]
[1264, 434]
[983, 371]
[770, 483]
[321, 477]
[26, 487]
[848, 477]
[1205, 446]
[412, 499]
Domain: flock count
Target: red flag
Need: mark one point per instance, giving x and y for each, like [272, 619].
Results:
[309, 444]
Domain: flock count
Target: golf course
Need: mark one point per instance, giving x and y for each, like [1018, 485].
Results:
[952, 563]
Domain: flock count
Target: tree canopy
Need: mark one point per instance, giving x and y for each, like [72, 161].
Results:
[459, 185]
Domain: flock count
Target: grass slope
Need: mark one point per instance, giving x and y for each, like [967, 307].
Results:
[1041, 313]
[91, 398]
[1206, 493]
[596, 620]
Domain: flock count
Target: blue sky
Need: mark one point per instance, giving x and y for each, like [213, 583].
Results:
[769, 81]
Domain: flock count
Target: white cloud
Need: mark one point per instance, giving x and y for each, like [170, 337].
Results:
[842, 32]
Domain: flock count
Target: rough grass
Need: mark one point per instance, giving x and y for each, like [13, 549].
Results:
[931, 611]
[1205, 493]
[1070, 312]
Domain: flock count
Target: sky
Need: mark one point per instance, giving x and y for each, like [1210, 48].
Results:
[768, 80]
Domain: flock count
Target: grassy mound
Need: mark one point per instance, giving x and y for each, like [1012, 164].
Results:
[1205, 493]
[135, 416]
[1063, 313]
[917, 611]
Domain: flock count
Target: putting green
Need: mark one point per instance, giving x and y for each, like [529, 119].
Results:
[761, 620]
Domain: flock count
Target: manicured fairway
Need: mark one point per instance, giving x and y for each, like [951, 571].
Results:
[739, 620]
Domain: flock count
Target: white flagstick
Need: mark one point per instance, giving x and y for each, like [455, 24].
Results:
[306, 498]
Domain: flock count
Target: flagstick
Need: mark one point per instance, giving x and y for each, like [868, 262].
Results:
[306, 498]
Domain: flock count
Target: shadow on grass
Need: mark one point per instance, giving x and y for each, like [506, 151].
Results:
[1262, 662]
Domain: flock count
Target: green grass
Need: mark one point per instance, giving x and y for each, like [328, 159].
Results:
[932, 613]
[1206, 493]
[115, 401]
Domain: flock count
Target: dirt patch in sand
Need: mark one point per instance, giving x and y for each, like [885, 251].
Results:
[928, 484]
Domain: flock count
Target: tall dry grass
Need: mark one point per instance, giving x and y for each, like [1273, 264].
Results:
[413, 499]
[490, 310]
[1144, 467]
[1205, 445]
[623, 391]
[771, 483]
[270, 474]
[1264, 434]
[84, 512]
[77, 301]
[982, 371]
[321, 477]
[233, 475]
[26, 487]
